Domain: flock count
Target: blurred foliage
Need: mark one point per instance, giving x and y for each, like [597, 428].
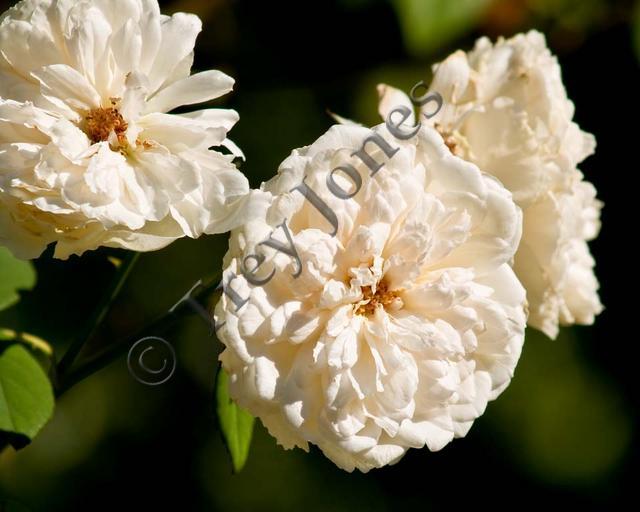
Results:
[562, 421]
[428, 25]
[14, 275]
[575, 15]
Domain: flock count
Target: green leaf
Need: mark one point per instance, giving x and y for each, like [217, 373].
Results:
[235, 423]
[14, 275]
[428, 25]
[26, 396]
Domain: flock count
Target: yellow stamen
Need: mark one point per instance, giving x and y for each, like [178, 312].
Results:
[448, 137]
[382, 297]
[100, 122]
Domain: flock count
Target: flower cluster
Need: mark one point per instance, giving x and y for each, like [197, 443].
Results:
[377, 289]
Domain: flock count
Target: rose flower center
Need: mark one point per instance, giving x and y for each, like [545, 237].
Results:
[448, 137]
[100, 122]
[382, 297]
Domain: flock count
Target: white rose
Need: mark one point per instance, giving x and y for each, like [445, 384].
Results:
[506, 110]
[553, 260]
[395, 332]
[88, 155]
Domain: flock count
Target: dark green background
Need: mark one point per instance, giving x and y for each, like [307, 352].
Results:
[563, 434]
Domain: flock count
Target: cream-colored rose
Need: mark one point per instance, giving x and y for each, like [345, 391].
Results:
[88, 154]
[553, 260]
[372, 314]
[506, 110]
